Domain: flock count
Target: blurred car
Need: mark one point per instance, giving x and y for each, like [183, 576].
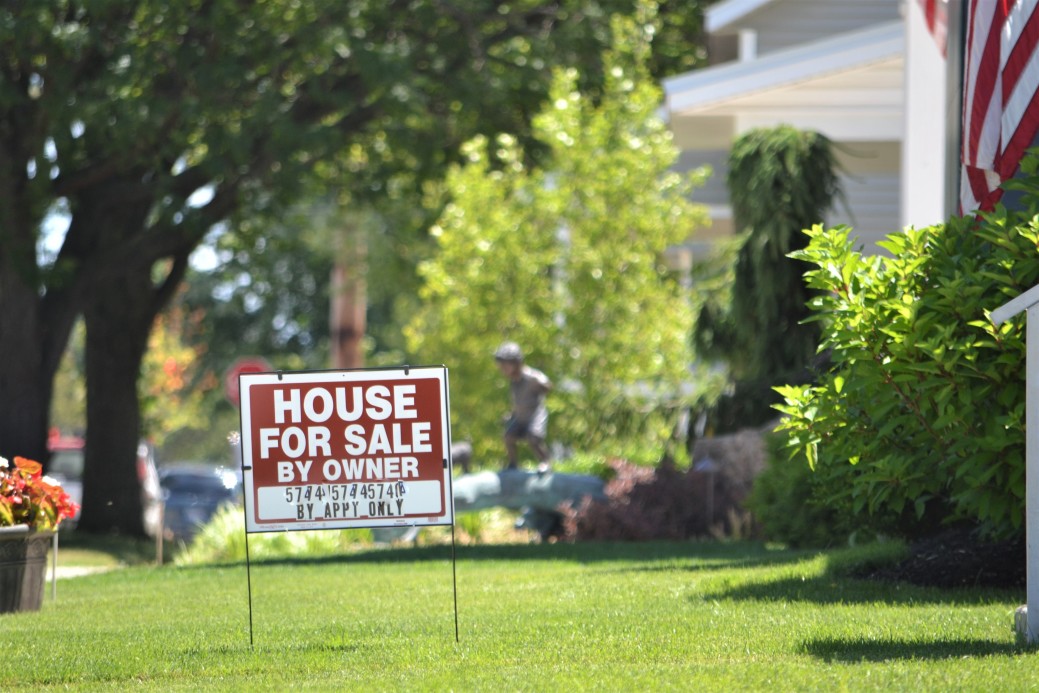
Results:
[193, 492]
[66, 467]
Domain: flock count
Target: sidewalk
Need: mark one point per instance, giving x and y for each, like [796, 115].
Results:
[72, 571]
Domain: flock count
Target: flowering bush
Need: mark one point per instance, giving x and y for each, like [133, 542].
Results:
[29, 498]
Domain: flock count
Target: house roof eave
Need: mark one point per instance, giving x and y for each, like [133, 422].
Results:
[727, 12]
[713, 85]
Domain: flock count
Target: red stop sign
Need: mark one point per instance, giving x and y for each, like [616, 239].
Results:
[246, 364]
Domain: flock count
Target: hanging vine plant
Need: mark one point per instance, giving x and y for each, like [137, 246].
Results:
[781, 181]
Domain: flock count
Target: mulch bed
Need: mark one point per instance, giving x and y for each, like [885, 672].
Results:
[957, 558]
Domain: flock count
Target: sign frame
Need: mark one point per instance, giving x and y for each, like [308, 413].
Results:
[346, 449]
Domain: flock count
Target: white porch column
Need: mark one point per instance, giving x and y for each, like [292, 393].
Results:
[1026, 620]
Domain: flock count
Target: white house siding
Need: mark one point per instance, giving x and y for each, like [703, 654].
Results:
[869, 180]
[782, 24]
[860, 104]
[851, 83]
[714, 194]
[839, 67]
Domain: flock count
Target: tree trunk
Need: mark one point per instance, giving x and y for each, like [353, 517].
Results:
[118, 321]
[33, 334]
[349, 299]
[25, 386]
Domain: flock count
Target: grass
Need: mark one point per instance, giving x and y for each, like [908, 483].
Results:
[618, 617]
[91, 551]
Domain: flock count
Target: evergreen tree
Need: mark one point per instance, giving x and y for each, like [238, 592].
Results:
[781, 181]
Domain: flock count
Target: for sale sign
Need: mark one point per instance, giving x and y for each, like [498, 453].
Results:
[345, 449]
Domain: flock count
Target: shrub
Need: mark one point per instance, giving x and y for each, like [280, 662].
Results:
[920, 420]
[781, 180]
[785, 504]
[665, 502]
[222, 540]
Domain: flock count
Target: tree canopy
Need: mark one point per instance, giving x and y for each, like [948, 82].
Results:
[149, 122]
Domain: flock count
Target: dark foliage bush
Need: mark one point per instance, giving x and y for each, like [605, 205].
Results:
[644, 503]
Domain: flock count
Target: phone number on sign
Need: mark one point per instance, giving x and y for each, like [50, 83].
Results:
[352, 500]
[341, 492]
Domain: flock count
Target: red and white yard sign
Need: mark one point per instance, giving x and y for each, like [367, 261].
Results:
[346, 449]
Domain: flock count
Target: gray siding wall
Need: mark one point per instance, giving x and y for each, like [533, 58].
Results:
[786, 23]
[871, 205]
[714, 192]
[871, 209]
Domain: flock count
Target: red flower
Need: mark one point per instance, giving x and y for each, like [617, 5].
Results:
[28, 498]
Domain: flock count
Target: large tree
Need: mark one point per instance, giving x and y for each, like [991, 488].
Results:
[149, 122]
[255, 302]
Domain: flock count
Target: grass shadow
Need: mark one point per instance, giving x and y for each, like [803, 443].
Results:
[841, 581]
[674, 554]
[854, 650]
[700, 564]
[260, 648]
[841, 589]
[118, 549]
[615, 557]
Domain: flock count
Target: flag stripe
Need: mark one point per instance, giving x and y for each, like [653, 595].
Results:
[973, 183]
[1020, 119]
[1016, 46]
[930, 10]
[983, 134]
[1000, 96]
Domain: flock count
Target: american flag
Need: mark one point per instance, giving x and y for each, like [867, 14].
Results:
[1000, 96]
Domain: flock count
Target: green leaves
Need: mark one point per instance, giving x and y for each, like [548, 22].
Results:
[781, 180]
[920, 418]
[567, 261]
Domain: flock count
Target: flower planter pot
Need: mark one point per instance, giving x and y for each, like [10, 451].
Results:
[23, 564]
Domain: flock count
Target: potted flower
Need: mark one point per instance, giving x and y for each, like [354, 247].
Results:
[32, 507]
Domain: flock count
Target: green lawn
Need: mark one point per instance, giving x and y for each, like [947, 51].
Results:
[84, 550]
[618, 617]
